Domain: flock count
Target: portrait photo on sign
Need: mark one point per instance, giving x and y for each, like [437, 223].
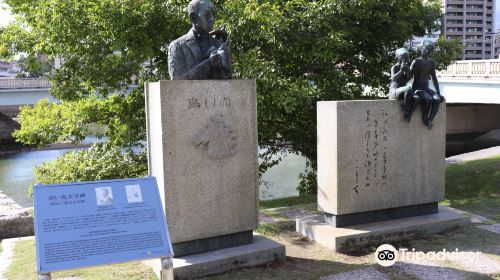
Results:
[104, 196]
[134, 194]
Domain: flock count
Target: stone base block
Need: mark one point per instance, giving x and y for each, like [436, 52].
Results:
[345, 239]
[212, 243]
[261, 251]
[381, 215]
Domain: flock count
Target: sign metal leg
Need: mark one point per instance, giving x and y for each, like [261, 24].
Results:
[167, 269]
[45, 276]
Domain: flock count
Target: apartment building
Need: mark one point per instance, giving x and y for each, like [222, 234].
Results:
[473, 22]
[8, 69]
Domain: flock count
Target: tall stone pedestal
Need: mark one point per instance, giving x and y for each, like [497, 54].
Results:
[375, 171]
[202, 148]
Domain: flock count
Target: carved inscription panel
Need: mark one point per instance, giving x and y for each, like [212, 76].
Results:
[371, 171]
[370, 158]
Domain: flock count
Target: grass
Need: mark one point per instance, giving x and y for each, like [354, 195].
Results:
[23, 267]
[288, 201]
[464, 239]
[275, 229]
[474, 187]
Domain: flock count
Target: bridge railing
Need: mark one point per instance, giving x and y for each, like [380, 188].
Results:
[24, 83]
[472, 69]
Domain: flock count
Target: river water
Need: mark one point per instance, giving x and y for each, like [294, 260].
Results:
[16, 174]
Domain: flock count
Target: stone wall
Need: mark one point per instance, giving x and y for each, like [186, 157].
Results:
[472, 118]
[15, 221]
[7, 126]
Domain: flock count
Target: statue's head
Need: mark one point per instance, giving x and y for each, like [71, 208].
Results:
[105, 192]
[426, 47]
[402, 54]
[202, 15]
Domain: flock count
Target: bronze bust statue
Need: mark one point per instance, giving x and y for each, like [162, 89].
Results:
[201, 54]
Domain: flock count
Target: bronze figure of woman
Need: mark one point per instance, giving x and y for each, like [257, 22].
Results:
[400, 75]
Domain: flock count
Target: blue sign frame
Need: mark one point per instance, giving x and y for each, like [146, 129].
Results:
[94, 223]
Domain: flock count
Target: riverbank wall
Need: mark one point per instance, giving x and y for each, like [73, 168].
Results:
[15, 221]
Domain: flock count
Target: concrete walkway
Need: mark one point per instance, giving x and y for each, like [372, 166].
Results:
[7, 254]
[481, 154]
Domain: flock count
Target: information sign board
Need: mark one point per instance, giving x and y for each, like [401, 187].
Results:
[95, 223]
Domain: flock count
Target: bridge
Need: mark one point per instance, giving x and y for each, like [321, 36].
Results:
[17, 92]
[472, 91]
[471, 81]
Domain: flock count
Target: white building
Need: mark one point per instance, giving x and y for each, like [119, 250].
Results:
[8, 69]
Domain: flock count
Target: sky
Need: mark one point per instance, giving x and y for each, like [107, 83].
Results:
[5, 16]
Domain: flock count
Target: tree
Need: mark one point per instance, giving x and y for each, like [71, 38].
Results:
[448, 51]
[299, 51]
[34, 66]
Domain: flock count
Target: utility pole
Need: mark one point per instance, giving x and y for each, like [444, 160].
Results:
[493, 39]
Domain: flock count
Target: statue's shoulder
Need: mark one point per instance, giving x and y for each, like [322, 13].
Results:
[181, 41]
[178, 42]
[416, 61]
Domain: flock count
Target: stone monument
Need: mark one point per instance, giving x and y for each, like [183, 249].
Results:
[202, 148]
[380, 178]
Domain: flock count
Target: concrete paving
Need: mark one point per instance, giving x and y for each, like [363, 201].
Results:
[493, 228]
[481, 154]
[480, 263]
[358, 274]
[425, 270]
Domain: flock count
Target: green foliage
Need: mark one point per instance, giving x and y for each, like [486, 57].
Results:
[102, 43]
[447, 51]
[299, 51]
[34, 67]
[308, 183]
[123, 115]
[99, 162]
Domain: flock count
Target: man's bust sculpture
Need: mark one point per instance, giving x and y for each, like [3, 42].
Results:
[201, 54]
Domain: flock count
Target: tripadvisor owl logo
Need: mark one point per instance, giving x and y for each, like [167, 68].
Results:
[386, 255]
